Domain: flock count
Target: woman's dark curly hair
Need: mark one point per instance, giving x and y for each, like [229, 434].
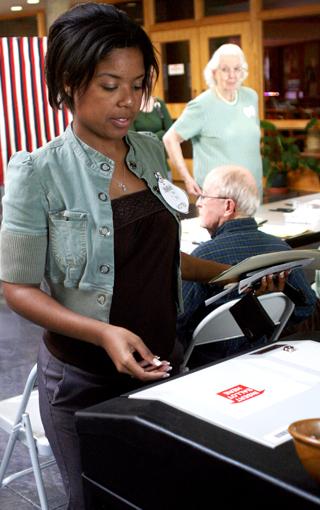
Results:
[80, 38]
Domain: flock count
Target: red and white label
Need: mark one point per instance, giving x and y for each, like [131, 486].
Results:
[240, 393]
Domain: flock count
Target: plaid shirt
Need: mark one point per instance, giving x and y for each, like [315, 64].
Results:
[233, 242]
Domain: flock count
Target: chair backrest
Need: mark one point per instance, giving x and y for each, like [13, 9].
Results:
[12, 409]
[20, 417]
[219, 325]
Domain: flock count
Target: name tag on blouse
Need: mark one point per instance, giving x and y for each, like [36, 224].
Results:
[173, 195]
[249, 111]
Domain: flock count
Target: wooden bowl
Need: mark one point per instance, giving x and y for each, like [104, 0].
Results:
[306, 437]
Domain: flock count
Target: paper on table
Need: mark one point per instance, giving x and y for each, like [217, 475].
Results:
[267, 260]
[192, 231]
[285, 231]
[254, 396]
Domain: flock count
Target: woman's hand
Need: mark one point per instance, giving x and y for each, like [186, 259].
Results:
[192, 187]
[122, 346]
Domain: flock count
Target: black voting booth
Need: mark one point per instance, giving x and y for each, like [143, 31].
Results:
[143, 454]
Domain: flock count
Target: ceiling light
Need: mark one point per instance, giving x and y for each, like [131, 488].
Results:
[16, 8]
[33, 1]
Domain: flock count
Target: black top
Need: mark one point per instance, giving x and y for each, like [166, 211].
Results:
[145, 294]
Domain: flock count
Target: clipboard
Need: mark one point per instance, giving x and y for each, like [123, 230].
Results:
[268, 260]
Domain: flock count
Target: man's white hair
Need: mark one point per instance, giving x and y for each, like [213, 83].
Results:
[214, 62]
[234, 182]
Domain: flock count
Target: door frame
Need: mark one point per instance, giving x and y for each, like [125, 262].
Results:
[166, 36]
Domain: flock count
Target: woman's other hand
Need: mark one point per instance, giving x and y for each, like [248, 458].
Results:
[192, 187]
[123, 347]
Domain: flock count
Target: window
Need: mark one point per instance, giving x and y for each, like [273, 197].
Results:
[176, 71]
[168, 10]
[292, 68]
[274, 4]
[214, 7]
[133, 9]
[15, 27]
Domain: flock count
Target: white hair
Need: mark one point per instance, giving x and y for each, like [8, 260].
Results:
[214, 62]
[235, 182]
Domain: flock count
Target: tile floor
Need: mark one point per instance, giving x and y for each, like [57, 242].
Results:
[19, 341]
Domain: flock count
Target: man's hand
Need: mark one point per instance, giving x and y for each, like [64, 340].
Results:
[270, 283]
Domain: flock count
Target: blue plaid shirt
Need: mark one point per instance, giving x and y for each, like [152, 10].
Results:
[233, 242]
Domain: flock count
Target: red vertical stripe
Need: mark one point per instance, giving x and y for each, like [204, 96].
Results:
[5, 101]
[22, 80]
[35, 92]
[17, 128]
[46, 105]
[25, 98]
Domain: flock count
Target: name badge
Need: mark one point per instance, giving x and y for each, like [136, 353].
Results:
[173, 195]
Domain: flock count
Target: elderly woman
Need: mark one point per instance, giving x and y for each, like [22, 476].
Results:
[222, 122]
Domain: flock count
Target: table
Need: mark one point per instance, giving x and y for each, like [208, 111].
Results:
[306, 229]
[145, 454]
[297, 235]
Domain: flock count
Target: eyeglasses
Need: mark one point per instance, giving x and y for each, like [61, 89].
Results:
[202, 196]
[226, 71]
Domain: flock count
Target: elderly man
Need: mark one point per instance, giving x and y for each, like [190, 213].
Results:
[226, 208]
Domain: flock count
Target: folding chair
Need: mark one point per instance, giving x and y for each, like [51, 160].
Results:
[20, 418]
[219, 325]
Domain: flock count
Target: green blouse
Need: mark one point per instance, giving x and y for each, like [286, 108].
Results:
[154, 123]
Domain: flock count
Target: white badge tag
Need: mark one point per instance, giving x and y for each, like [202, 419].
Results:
[173, 195]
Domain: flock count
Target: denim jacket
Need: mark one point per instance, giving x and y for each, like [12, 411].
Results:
[57, 219]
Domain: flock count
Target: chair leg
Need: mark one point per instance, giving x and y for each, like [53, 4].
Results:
[8, 452]
[35, 462]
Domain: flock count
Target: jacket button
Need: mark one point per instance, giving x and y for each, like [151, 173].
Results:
[156, 188]
[103, 196]
[104, 231]
[101, 299]
[105, 167]
[104, 269]
[133, 164]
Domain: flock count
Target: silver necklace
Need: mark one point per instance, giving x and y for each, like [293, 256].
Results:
[121, 184]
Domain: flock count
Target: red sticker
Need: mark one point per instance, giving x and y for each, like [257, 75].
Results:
[240, 393]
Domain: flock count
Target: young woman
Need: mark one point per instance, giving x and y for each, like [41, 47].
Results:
[87, 214]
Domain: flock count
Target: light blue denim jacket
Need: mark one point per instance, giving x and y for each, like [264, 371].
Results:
[57, 219]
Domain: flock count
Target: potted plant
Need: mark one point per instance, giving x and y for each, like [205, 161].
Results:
[281, 155]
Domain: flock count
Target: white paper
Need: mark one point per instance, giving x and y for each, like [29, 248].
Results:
[254, 395]
[286, 230]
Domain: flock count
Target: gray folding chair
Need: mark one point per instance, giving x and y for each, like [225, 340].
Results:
[219, 325]
[20, 418]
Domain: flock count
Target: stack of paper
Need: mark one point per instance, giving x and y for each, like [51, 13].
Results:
[285, 231]
[307, 215]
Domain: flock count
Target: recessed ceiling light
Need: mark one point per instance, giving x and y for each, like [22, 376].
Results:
[16, 8]
[33, 1]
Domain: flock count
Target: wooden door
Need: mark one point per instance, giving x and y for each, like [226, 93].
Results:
[180, 69]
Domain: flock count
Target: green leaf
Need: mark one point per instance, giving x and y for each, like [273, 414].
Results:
[312, 122]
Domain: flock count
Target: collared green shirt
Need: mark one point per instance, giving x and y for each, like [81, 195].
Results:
[57, 219]
[222, 133]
